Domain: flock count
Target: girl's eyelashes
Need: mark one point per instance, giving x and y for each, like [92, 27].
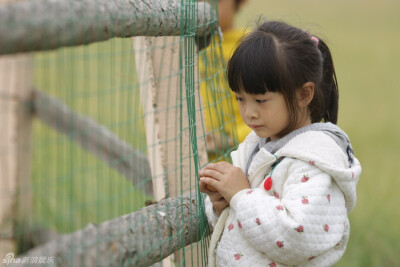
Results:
[260, 101]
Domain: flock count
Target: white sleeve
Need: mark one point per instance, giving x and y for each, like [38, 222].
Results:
[307, 219]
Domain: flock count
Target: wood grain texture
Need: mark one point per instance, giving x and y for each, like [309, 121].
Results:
[48, 24]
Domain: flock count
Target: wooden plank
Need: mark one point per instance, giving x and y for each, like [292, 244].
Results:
[172, 114]
[146, 79]
[159, 64]
[145, 74]
[15, 149]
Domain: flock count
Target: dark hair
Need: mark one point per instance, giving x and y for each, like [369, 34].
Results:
[277, 57]
[237, 3]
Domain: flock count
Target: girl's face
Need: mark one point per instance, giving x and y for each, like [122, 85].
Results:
[266, 114]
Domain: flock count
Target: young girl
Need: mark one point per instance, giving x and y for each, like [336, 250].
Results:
[285, 199]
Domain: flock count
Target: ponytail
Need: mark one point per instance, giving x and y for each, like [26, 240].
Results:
[329, 85]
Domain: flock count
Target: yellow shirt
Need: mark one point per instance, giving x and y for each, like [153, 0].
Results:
[221, 111]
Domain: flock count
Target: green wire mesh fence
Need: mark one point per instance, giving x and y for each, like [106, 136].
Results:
[103, 137]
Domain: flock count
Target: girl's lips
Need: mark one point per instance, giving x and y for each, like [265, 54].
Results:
[254, 126]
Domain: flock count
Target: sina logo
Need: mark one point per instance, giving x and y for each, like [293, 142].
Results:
[9, 258]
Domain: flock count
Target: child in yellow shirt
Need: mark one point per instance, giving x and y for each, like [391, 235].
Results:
[224, 125]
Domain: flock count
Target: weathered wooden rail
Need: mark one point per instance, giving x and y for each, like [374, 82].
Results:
[48, 24]
[97, 139]
[138, 239]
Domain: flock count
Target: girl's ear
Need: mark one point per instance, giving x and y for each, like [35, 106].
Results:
[305, 94]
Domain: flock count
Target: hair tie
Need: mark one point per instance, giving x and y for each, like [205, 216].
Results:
[315, 39]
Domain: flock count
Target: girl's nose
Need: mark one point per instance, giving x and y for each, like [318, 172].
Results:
[251, 112]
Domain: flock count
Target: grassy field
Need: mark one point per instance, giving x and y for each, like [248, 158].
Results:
[364, 37]
[71, 186]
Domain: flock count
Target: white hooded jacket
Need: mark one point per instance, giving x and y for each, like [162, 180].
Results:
[295, 213]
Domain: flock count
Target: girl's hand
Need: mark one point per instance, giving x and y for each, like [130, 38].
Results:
[216, 199]
[225, 178]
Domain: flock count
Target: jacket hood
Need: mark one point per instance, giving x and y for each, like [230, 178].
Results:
[324, 145]
[332, 130]
[327, 147]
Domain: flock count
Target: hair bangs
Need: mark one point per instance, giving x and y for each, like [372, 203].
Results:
[252, 70]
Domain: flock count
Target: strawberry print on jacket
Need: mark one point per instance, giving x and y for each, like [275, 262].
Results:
[274, 223]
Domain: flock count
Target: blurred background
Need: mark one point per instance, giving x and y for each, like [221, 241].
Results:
[364, 38]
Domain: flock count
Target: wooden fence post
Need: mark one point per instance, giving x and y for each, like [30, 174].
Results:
[16, 74]
[166, 116]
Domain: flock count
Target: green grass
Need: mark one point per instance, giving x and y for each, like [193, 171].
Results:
[364, 39]
[71, 186]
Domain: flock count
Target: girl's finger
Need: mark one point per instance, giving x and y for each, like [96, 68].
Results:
[210, 181]
[203, 188]
[215, 196]
[221, 167]
[210, 166]
[210, 174]
[209, 190]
